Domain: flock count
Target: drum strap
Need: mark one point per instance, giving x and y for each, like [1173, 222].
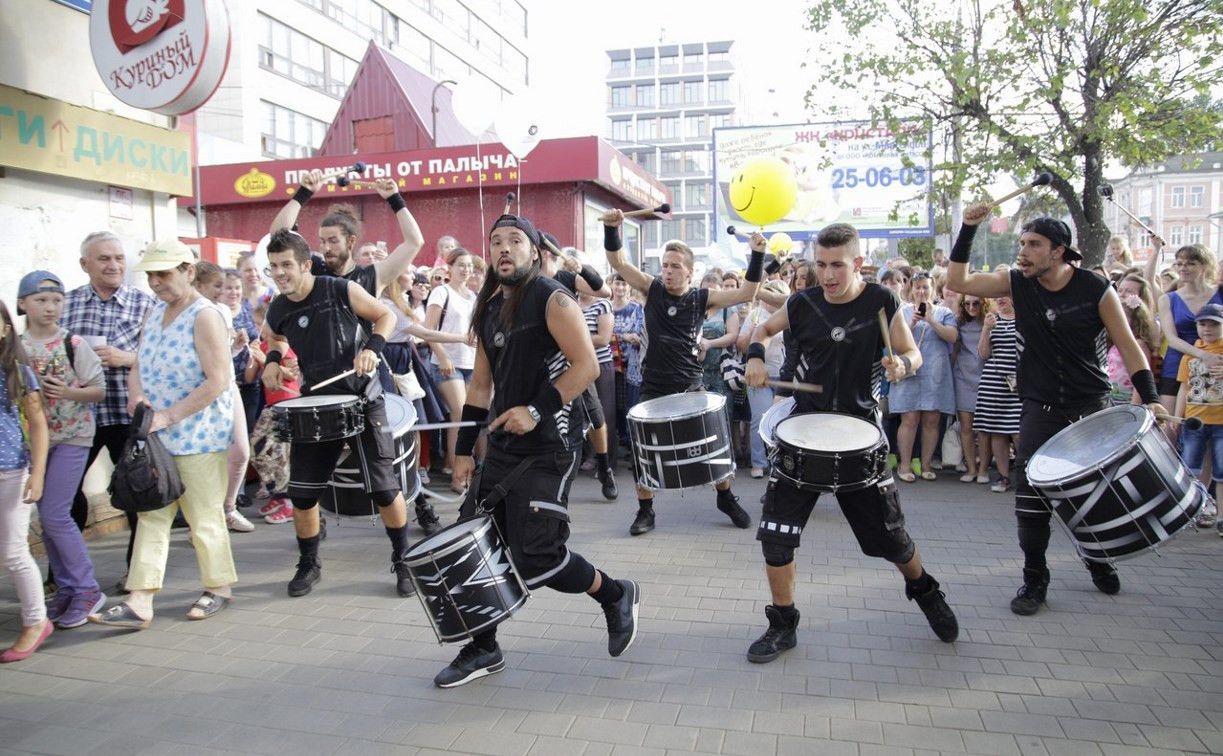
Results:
[473, 507]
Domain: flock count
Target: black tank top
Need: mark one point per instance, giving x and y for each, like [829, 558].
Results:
[524, 358]
[1061, 340]
[670, 341]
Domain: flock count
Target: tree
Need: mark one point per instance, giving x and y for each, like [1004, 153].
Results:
[1023, 86]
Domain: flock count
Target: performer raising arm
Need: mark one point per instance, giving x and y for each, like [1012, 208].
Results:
[835, 330]
[1062, 314]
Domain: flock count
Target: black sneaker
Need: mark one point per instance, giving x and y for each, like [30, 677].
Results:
[309, 572]
[243, 501]
[934, 605]
[427, 519]
[403, 578]
[1105, 577]
[472, 663]
[782, 635]
[728, 504]
[622, 618]
[643, 523]
[608, 479]
[1031, 594]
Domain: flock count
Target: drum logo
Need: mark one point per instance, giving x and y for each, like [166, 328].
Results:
[694, 451]
[303, 321]
[671, 311]
[1050, 314]
[838, 334]
[788, 463]
[499, 339]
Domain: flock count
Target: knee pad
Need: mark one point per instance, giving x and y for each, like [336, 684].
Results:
[383, 498]
[304, 504]
[776, 555]
[574, 577]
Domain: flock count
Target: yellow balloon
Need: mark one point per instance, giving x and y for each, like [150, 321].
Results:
[780, 243]
[763, 190]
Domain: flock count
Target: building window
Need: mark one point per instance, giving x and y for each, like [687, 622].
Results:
[645, 65]
[667, 62]
[1195, 234]
[696, 196]
[668, 94]
[670, 162]
[304, 60]
[619, 67]
[289, 134]
[696, 161]
[694, 126]
[722, 56]
[719, 90]
[692, 93]
[619, 96]
[719, 120]
[1176, 234]
[647, 128]
[1178, 197]
[622, 131]
[1197, 196]
[692, 61]
[647, 160]
[669, 127]
[695, 231]
[645, 95]
[670, 229]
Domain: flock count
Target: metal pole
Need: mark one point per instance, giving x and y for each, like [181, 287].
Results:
[433, 108]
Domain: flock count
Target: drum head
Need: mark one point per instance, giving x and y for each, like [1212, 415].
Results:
[828, 431]
[318, 400]
[774, 415]
[446, 536]
[677, 406]
[1091, 442]
[400, 414]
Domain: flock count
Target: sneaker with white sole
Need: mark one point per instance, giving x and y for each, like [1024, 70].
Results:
[79, 609]
[1002, 485]
[282, 515]
[271, 505]
[472, 663]
[237, 522]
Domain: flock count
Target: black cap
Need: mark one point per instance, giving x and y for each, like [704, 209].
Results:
[1058, 233]
[544, 238]
[520, 223]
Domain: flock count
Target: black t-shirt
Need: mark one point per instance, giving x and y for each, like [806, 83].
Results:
[568, 279]
[1062, 341]
[839, 347]
[671, 339]
[365, 275]
[326, 334]
[524, 358]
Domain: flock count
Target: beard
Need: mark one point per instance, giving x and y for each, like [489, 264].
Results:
[337, 262]
[515, 277]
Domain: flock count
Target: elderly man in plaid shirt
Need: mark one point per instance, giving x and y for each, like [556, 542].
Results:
[109, 314]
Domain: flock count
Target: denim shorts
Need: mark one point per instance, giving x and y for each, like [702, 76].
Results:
[459, 374]
[1194, 445]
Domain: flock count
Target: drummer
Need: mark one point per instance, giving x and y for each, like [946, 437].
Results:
[531, 334]
[320, 319]
[835, 329]
[1063, 314]
[674, 313]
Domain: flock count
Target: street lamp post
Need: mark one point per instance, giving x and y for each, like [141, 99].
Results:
[433, 108]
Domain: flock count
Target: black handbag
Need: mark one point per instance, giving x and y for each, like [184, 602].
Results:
[145, 477]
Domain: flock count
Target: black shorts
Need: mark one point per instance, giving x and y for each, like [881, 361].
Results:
[873, 513]
[311, 465]
[594, 407]
[1169, 386]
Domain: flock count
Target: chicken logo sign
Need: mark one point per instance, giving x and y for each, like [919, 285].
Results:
[167, 56]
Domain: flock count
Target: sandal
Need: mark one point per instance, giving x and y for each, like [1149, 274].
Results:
[207, 605]
[120, 615]
[968, 477]
[929, 475]
[907, 477]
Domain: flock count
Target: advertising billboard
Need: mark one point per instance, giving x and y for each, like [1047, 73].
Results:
[847, 172]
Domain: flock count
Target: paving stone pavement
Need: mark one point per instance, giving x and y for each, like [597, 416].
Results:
[348, 669]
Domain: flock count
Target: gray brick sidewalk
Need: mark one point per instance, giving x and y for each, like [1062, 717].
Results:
[348, 669]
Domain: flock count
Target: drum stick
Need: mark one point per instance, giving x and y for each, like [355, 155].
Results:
[553, 248]
[662, 209]
[334, 378]
[1190, 423]
[810, 388]
[509, 202]
[439, 426]
[887, 335]
[1041, 179]
[358, 183]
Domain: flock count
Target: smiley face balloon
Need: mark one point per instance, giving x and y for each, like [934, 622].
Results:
[763, 190]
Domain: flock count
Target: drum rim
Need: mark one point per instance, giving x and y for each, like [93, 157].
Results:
[342, 400]
[719, 406]
[779, 441]
[1147, 422]
[416, 556]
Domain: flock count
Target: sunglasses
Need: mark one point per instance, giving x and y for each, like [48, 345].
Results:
[971, 304]
[920, 276]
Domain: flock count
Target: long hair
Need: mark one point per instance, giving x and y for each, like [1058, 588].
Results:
[490, 290]
[1200, 253]
[1144, 290]
[12, 358]
[962, 314]
[395, 293]
[345, 217]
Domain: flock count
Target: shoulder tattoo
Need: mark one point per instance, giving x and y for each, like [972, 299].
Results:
[562, 301]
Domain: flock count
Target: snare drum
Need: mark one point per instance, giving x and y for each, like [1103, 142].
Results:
[681, 441]
[348, 495]
[1115, 483]
[771, 417]
[829, 451]
[465, 579]
[323, 417]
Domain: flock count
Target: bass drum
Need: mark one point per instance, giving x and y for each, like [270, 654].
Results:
[681, 441]
[348, 496]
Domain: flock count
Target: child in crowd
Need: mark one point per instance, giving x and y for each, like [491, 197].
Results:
[270, 455]
[70, 379]
[23, 464]
[1201, 397]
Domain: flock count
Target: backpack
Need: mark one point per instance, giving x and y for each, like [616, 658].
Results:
[145, 477]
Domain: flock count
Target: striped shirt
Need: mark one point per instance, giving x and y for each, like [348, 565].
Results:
[998, 406]
[118, 320]
[592, 314]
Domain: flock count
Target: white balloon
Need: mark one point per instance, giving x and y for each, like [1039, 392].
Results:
[517, 125]
[473, 102]
[261, 254]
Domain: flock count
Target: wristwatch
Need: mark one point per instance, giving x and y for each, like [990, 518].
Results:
[534, 413]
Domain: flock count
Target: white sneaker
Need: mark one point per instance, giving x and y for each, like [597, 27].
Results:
[237, 522]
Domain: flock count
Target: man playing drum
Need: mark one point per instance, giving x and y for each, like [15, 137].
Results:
[1063, 314]
[535, 358]
[320, 318]
[672, 343]
[835, 329]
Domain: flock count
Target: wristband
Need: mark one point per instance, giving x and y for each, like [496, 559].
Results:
[375, 344]
[465, 440]
[755, 265]
[396, 202]
[611, 238]
[302, 195]
[274, 356]
[755, 351]
[908, 364]
[1144, 384]
[592, 278]
[548, 401]
[961, 251]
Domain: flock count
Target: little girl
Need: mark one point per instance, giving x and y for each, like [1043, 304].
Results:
[23, 447]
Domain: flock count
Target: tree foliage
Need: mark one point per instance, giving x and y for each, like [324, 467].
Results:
[1023, 86]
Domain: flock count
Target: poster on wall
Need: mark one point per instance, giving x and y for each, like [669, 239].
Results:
[847, 172]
